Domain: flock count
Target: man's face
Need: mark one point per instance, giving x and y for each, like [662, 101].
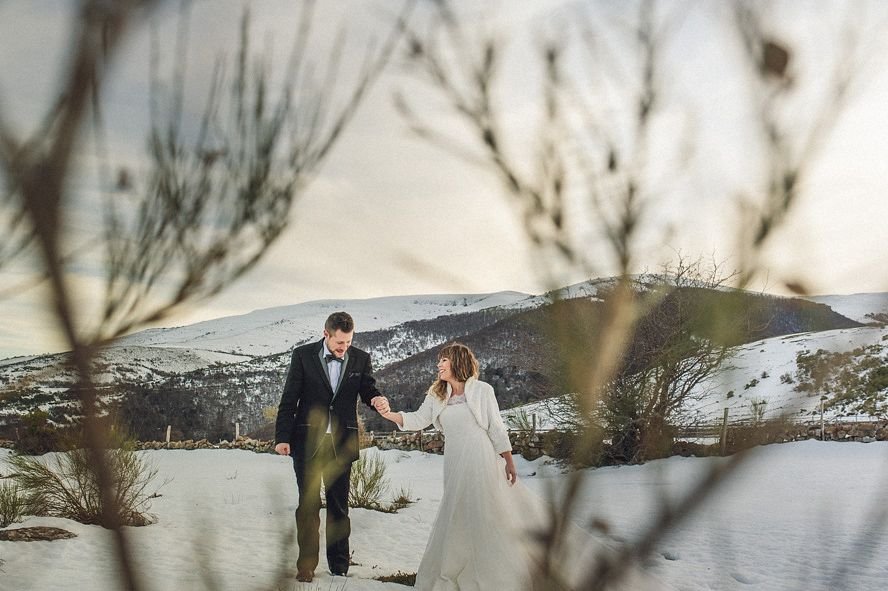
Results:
[338, 342]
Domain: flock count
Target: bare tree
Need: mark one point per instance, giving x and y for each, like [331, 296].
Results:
[209, 206]
[679, 344]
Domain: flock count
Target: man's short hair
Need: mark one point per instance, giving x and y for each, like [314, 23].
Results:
[339, 321]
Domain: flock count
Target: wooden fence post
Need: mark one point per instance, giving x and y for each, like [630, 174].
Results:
[533, 428]
[724, 433]
[822, 428]
[169, 428]
[236, 431]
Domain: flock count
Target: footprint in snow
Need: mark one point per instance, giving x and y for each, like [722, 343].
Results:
[740, 578]
[670, 555]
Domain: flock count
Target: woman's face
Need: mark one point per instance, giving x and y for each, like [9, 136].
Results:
[444, 372]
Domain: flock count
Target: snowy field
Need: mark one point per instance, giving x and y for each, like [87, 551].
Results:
[797, 516]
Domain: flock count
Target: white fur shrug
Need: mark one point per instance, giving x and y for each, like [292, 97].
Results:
[482, 404]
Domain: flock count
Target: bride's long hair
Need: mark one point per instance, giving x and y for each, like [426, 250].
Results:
[463, 365]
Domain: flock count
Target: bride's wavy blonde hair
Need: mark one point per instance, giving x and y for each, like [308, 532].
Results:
[463, 365]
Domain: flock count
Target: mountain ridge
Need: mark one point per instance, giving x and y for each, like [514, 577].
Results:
[238, 384]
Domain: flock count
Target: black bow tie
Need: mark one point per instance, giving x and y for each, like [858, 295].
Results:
[331, 357]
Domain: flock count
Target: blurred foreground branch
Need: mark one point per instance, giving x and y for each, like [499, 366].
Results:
[586, 176]
[209, 207]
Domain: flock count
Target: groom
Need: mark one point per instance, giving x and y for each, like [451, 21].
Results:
[317, 424]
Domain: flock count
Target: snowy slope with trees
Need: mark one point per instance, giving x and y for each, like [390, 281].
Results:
[764, 373]
[236, 365]
[759, 381]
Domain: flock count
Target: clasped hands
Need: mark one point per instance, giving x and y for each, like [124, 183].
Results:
[381, 404]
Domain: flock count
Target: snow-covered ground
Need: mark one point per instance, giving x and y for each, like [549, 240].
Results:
[539, 414]
[797, 516]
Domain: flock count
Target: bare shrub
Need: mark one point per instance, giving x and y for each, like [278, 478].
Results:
[369, 485]
[66, 486]
[12, 506]
[368, 482]
[408, 579]
[520, 420]
[403, 498]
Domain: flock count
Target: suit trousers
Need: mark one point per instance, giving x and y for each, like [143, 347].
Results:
[324, 467]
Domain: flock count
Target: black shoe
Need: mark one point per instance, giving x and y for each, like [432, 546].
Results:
[338, 573]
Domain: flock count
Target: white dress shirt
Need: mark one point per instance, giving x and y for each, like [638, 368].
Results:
[334, 371]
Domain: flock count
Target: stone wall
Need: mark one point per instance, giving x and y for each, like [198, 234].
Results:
[532, 445]
[528, 444]
[244, 443]
[862, 431]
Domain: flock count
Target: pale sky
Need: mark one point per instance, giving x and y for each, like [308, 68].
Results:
[411, 218]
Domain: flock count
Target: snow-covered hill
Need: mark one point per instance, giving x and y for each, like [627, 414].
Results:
[753, 374]
[153, 353]
[273, 330]
[248, 353]
[113, 365]
[855, 306]
[584, 289]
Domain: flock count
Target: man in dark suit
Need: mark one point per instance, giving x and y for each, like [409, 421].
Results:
[317, 424]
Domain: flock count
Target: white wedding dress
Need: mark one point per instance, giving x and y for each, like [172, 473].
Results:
[483, 535]
[477, 542]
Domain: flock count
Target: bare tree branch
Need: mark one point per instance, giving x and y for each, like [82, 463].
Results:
[206, 213]
[580, 150]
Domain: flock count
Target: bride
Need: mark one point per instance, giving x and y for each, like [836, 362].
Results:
[486, 533]
[476, 542]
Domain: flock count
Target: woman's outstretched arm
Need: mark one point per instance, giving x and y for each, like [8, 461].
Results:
[412, 421]
[394, 417]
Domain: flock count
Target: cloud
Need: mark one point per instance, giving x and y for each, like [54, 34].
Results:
[390, 214]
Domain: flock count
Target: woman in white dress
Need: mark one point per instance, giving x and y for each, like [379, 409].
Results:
[477, 542]
[486, 534]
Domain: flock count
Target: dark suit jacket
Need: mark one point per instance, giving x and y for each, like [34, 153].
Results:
[309, 399]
